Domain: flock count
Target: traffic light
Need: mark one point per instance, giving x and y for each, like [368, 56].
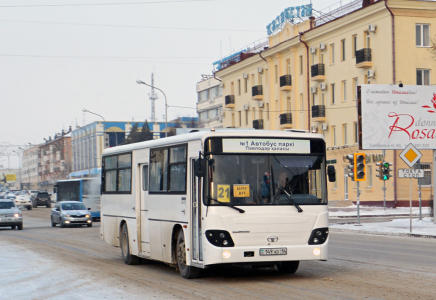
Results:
[359, 167]
[380, 170]
[386, 170]
[350, 159]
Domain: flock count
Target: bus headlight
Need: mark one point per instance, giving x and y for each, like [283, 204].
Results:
[316, 251]
[318, 236]
[219, 238]
[227, 254]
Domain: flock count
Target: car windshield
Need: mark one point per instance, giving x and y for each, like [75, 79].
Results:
[73, 206]
[266, 180]
[6, 205]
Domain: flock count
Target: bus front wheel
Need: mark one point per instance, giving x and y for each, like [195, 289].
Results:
[288, 267]
[187, 272]
[128, 258]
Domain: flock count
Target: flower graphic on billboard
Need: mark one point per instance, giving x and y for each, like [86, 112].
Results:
[433, 100]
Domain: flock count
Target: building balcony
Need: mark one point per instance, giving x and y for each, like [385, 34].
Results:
[229, 101]
[286, 120]
[286, 83]
[318, 72]
[258, 124]
[363, 58]
[318, 113]
[57, 169]
[257, 92]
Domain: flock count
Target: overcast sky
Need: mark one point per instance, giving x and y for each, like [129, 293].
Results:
[57, 57]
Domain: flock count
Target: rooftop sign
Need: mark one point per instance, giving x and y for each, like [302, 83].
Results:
[289, 14]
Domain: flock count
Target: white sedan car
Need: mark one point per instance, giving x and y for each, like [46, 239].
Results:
[23, 200]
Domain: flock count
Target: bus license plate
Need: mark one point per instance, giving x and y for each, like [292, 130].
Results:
[273, 251]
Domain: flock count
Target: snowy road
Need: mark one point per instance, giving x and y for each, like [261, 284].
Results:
[41, 262]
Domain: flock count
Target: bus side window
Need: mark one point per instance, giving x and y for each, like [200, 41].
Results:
[145, 178]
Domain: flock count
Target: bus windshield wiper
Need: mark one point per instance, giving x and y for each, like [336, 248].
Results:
[289, 197]
[229, 205]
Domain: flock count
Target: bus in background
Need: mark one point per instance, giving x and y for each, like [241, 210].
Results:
[86, 190]
[201, 199]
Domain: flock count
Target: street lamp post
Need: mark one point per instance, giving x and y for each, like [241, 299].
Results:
[19, 166]
[89, 156]
[104, 124]
[166, 106]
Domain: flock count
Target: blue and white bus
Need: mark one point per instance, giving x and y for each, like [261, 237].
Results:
[86, 190]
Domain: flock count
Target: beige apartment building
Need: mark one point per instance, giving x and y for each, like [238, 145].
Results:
[307, 78]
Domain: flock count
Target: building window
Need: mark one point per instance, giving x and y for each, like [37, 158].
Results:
[288, 102]
[353, 50]
[233, 120]
[422, 35]
[313, 99]
[301, 104]
[356, 133]
[253, 115]
[369, 176]
[240, 117]
[245, 85]
[239, 87]
[344, 134]
[313, 58]
[267, 111]
[301, 64]
[332, 89]
[260, 78]
[355, 84]
[232, 88]
[276, 70]
[422, 77]
[426, 181]
[334, 136]
[368, 40]
[322, 98]
[344, 91]
[332, 54]
[246, 117]
[252, 80]
[342, 50]
[288, 67]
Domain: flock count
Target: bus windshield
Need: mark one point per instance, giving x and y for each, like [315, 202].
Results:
[266, 180]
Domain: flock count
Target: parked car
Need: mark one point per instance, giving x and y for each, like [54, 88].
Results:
[33, 193]
[41, 198]
[68, 213]
[23, 200]
[10, 196]
[10, 215]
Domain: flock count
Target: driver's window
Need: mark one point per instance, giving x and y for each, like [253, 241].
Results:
[145, 178]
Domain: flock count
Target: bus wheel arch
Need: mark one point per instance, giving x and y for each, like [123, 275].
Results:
[174, 236]
[188, 272]
[128, 258]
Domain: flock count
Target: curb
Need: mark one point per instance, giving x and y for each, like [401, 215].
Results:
[414, 235]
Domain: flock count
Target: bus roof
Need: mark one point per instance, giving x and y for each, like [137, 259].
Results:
[202, 135]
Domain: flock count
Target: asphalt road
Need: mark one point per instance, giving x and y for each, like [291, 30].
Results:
[359, 267]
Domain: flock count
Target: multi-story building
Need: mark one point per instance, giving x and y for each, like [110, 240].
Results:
[54, 160]
[210, 102]
[89, 141]
[307, 78]
[29, 169]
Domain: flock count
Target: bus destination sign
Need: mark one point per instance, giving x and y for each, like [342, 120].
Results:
[266, 146]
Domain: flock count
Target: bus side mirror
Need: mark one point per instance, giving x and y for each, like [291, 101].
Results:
[331, 173]
[200, 167]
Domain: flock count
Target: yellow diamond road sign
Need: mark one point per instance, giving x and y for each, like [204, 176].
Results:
[410, 155]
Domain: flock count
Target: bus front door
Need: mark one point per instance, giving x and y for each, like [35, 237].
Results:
[196, 196]
[144, 234]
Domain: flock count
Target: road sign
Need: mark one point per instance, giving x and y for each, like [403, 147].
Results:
[411, 173]
[410, 155]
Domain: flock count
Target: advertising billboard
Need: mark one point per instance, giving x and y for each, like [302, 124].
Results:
[392, 117]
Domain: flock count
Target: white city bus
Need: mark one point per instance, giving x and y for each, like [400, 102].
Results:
[218, 197]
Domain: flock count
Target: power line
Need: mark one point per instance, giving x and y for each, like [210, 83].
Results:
[103, 4]
[130, 26]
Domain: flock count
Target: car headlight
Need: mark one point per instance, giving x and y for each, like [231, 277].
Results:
[17, 215]
[67, 216]
[87, 216]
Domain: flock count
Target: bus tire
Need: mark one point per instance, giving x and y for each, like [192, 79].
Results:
[188, 272]
[128, 258]
[288, 267]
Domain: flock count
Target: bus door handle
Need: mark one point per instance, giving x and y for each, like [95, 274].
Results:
[183, 211]
[133, 208]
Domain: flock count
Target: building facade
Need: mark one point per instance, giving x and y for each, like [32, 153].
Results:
[307, 78]
[210, 102]
[30, 168]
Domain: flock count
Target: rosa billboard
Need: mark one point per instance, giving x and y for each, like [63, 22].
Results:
[392, 117]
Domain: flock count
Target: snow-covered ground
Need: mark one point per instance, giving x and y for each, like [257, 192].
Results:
[351, 211]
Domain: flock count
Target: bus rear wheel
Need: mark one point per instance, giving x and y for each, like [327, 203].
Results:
[288, 267]
[128, 258]
[187, 272]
